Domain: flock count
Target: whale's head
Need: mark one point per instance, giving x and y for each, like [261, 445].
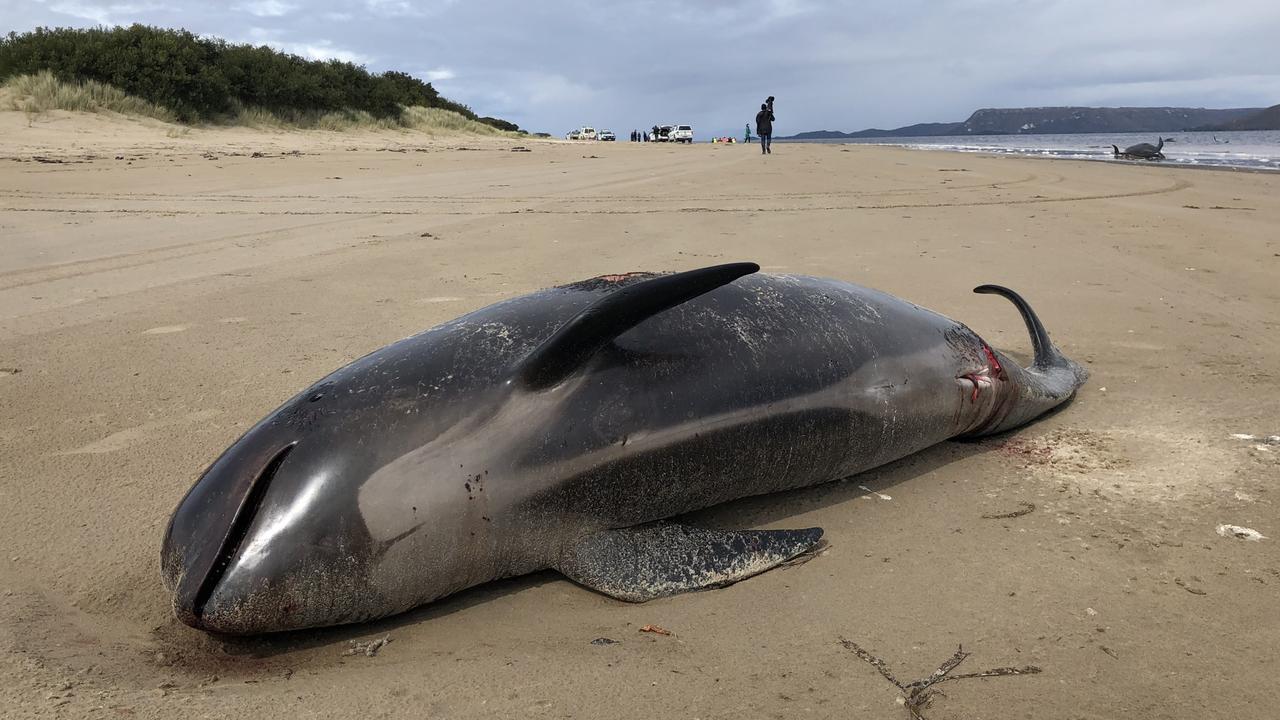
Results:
[351, 501]
[267, 538]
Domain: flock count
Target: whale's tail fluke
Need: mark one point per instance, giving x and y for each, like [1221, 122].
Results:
[1051, 379]
[1160, 145]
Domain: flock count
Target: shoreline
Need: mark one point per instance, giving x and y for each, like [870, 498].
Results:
[1251, 150]
[1041, 156]
[1117, 161]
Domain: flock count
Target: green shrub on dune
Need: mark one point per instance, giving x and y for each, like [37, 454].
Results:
[42, 92]
[193, 79]
[499, 123]
[170, 68]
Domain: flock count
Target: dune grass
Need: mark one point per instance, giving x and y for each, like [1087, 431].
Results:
[38, 94]
[429, 119]
[420, 119]
[42, 92]
[348, 120]
[256, 118]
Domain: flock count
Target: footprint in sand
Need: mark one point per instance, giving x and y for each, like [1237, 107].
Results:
[1138, 345]
[129, 437]
[165, 329]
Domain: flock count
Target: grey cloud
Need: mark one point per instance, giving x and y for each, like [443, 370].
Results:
[266, 8]
[554, 66]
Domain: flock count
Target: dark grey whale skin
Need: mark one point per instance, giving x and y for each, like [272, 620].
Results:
[427, 467]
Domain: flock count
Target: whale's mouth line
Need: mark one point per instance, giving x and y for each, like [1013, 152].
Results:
[244, 516]
[980, 380]
[985, 377]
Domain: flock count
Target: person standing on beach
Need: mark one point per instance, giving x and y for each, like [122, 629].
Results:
[764, 128]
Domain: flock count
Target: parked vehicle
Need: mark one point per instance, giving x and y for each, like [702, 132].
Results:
[607, 135]
[661, 133]
[681, 133]
[572, 135]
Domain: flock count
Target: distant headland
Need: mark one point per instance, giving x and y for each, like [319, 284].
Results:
[1063, 120]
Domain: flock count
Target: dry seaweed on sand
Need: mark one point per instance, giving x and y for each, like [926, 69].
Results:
[917, 694]
[368, 648]
[1025, 508]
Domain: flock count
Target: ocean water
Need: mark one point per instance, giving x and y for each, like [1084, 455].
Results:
[1242, 149]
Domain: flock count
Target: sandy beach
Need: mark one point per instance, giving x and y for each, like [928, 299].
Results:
[160, 291]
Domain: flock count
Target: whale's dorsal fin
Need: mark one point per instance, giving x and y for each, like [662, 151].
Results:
[619, 311]
[1046, 353]
[659, 559]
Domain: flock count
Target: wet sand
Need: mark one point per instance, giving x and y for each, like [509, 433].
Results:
[159, 297]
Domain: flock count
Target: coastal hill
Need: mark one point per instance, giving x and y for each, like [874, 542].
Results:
[1050, 120]
[1268, 119]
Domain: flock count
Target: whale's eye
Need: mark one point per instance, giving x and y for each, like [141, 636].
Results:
[320, 392]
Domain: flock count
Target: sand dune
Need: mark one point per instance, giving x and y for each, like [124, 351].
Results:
[161, 290]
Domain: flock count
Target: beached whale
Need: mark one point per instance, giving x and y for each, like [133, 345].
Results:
[561, 429]
[1141, 151]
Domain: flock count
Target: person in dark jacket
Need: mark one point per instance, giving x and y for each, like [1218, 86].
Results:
[764, 128]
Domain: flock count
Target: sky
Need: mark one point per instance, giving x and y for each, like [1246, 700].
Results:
[555, 66]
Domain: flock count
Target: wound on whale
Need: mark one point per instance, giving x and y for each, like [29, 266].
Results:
[564, 428]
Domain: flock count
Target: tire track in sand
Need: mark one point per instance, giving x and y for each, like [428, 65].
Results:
[1173, 187]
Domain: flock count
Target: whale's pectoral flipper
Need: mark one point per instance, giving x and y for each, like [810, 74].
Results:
[619, 311]
[659, 559]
